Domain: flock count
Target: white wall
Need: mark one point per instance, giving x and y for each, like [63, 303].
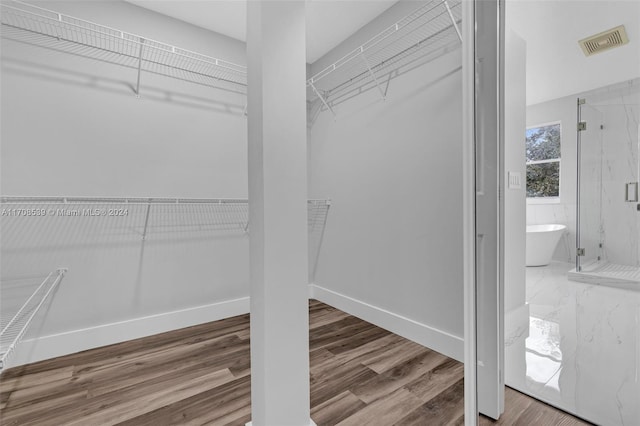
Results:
[66, 117]
[514, 212]
[278, 192]
[392, 249]
[72, 126]
[564, 111]
[373, 28]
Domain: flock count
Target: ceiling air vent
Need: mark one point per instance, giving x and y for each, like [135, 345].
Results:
[605, 40]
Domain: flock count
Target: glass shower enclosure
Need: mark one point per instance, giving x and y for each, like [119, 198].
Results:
[608, 169]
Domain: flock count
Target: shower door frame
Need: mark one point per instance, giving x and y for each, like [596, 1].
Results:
[579, 104]
[584, 247]
[595, 186]
[581, 127]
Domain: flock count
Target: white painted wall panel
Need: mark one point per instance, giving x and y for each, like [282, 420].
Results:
[72, 126]
[393, 171]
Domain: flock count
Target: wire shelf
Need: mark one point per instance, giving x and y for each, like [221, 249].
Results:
[318, 212]
[43, 27]
[428, 32]
[420, 36]
[14, 323]
[68, 226]
[52, 222]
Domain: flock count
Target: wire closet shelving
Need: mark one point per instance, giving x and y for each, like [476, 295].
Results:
[43, 27]
[55, 224]
[107, 219]
[420, 36]
[426, 33]
[15, 322]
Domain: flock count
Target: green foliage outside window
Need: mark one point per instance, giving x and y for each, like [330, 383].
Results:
[543, 180]
[543, 161]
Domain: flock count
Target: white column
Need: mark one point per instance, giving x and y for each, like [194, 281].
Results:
[278, 213]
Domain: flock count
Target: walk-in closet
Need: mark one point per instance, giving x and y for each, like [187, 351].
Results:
[262, 212]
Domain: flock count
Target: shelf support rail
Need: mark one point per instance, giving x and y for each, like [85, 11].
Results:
[86, 33]
[139, 67]
[146, 221]
[453, 20]
[388, 82]
[313, 87]
[18, 337]
[373, 76]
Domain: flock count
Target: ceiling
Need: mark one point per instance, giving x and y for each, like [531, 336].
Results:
[556, 66]
[329, 22]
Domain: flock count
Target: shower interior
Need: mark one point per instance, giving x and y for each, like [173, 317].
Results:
[608, 170]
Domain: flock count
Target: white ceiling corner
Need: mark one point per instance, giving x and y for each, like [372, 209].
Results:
[329, 22]
[556, 65]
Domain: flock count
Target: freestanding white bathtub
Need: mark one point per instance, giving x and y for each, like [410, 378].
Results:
[541, 243]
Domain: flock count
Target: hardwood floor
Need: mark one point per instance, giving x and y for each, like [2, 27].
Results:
[521, 409]
[360, 375]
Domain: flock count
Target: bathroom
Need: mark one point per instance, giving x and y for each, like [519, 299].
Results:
[572, 332]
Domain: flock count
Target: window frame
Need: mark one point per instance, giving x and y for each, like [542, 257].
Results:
[545, 200]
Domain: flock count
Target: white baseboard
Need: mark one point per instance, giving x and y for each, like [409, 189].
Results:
[46, 347]
[33, 350]
[438, 340]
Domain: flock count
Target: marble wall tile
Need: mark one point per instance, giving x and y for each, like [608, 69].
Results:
[621, 116]
[609, 160]
[578, 349]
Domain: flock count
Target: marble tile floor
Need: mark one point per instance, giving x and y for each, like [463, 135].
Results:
[609, 274]
[576, 346]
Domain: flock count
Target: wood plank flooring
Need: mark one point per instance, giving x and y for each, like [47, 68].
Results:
[521, 409]
[360, 375]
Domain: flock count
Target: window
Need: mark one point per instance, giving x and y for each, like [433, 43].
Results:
[543, 161]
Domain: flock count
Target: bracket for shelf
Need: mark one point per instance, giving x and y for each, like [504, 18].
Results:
[244, 111]
[386, 88]
[453, 20]
[139, 67]
[146, 221]
[322, 99]
[373, 76]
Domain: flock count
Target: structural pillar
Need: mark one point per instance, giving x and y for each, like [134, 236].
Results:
[276, 111]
